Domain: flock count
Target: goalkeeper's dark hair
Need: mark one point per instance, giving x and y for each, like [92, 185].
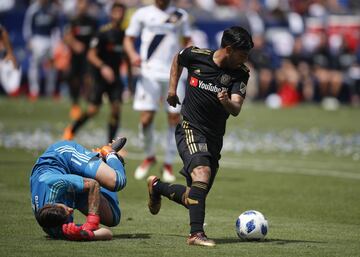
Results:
[238, 38]
[51, 216]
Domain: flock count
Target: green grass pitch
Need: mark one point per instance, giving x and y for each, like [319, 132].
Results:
[310, 197]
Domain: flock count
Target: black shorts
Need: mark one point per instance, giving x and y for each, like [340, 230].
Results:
[100, 86]
[79, 66]
[197, 149]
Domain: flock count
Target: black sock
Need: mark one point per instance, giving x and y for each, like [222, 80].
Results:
[81, 121]
[113, 126]
[174, 192]
[196, 204]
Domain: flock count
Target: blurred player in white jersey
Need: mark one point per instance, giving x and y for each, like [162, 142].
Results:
[164, 30]
[39, 29]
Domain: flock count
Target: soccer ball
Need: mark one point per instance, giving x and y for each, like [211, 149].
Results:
[251, 225]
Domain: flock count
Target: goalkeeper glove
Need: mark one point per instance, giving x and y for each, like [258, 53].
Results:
[92, 222]
[76, 233]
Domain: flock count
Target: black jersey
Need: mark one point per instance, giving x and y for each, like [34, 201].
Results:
[83, 28]
[109, 45]
[201, 107]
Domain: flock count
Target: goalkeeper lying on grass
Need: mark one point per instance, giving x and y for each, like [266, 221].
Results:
[68, 176]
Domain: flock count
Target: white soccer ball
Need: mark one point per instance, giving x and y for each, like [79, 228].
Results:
[252, 225]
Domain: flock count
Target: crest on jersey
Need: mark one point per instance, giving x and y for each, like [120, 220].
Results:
[242, 88]
[225, 79]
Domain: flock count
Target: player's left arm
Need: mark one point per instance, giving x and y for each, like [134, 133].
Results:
[74, 232]
[231, 104]
[92, 187]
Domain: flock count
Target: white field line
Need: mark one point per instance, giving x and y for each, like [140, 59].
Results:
[270, 166]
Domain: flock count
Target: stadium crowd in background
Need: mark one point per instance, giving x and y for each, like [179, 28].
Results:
[305, 51]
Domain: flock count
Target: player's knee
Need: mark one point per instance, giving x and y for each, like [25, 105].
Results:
[201, 173]
[114, 221]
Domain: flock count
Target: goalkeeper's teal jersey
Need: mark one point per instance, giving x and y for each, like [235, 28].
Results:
[57, 176]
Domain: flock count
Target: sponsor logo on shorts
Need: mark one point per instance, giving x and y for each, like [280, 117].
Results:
[203, 147]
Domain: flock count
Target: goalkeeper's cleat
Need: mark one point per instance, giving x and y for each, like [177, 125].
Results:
[199, 238]
[144, 168]
[68, 133]
[106, 150]
[167, 174]
[75, 112]
[154, 203]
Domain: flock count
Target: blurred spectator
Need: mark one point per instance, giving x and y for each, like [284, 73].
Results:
[6, 5]
[316, 39]
[264, 61]
[9, 73]
[39, 27]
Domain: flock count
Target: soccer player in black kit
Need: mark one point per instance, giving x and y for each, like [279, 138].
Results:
[216, 88]
[78, 33]
[105, 55]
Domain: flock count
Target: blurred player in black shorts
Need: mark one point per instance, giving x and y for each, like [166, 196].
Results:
[105, 55]
[216, 88]
[81, 29]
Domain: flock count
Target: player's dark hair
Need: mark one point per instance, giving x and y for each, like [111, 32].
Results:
[120, 5]
[238, 38]
[50, 216]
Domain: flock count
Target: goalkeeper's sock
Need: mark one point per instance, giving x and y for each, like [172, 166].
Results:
[171, 149]
[196, 205]
[113, 161]
[174, 192]
[81, 121]
[113, 126]
[147, 134]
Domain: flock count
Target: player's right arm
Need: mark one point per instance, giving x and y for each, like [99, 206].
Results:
[129, 46]
[180, 61]
[132, 32]
[77, 46]
[175, 73]
[94, 59]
